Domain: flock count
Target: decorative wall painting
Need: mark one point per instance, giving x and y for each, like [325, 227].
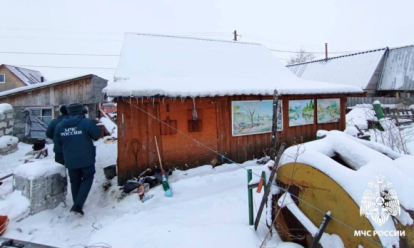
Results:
[254, 117]
[301, 112]
[329, 110]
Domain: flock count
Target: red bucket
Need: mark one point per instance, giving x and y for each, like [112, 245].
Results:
[4, 222]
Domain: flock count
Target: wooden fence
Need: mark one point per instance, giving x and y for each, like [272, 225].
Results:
[352, 101]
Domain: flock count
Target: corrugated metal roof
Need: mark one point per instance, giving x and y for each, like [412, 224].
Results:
[354, 69]
[27, 76]
[398, 72]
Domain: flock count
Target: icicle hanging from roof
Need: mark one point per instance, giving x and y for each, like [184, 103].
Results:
[194, 111]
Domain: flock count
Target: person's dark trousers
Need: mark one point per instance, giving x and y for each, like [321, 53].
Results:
[81, 180]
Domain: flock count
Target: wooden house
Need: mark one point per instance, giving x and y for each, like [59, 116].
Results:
[210, 102]
[383, 73]
[12, 77]
[397, 78]
[35, 106]
[359, 69]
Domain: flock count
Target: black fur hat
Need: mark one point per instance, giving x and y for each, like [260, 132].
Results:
[63, 110]
[75, 108]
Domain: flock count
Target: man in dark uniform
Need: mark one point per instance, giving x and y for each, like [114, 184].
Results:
[51, 130]
[74, 136]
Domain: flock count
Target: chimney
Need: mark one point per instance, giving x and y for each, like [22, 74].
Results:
[42, 79]
[326, 51]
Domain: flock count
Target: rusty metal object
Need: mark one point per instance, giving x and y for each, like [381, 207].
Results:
[318, 189]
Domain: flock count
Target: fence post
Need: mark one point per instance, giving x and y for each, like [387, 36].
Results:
[379, 112]
[250, 194]
[264, 178]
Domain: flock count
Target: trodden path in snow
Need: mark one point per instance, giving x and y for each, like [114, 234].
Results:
[209, 209]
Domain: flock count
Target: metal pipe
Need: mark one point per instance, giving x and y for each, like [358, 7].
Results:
[250, 194]
[318, 236]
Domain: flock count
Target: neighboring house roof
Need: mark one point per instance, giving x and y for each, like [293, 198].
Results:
[27, 76]
[42, 85]
[398, 72]
[354, 69]
[172, 66]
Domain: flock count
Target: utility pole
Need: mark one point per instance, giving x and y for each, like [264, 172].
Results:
[326, 51]
[235, 35]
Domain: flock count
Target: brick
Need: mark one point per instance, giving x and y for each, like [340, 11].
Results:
[8, 131]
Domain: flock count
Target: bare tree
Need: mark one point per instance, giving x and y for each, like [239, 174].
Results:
[301, 57]
[251, 108]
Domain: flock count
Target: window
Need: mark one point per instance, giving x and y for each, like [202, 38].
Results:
[44, 114]
[2, 78]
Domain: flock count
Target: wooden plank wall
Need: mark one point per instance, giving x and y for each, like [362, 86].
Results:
[299, 134]
[181, 151]
[239, 148]
[65, 93]
[242, 148]
[136, 130]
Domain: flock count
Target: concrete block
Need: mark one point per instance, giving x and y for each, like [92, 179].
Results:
[3, 124]
[1, 132]
[45, 192]
[8, 149]
[8, 131]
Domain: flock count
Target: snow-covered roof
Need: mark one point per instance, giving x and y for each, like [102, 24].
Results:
[398, 72]
[27, 76]
[153, 65]
[354, 69]
[42, 85]
[368, 159]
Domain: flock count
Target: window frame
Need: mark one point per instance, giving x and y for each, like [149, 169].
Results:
[4, 79]
[51, 108]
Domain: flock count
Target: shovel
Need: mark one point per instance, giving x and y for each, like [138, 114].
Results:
[165, 184]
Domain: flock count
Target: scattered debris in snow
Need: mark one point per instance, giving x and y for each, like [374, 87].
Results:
[110, 126]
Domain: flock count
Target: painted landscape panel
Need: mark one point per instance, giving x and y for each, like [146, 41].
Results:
[301, 112]
[254, 117]
[329, 110]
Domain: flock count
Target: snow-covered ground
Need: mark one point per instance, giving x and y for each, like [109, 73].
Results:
[399, 141]
[209, 209]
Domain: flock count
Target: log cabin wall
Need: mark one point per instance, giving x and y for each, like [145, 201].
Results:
[139, 121]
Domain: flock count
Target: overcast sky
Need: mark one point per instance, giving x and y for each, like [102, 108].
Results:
[97, 27]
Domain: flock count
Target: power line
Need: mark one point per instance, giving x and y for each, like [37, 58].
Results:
[63, 54]
[69, 67]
